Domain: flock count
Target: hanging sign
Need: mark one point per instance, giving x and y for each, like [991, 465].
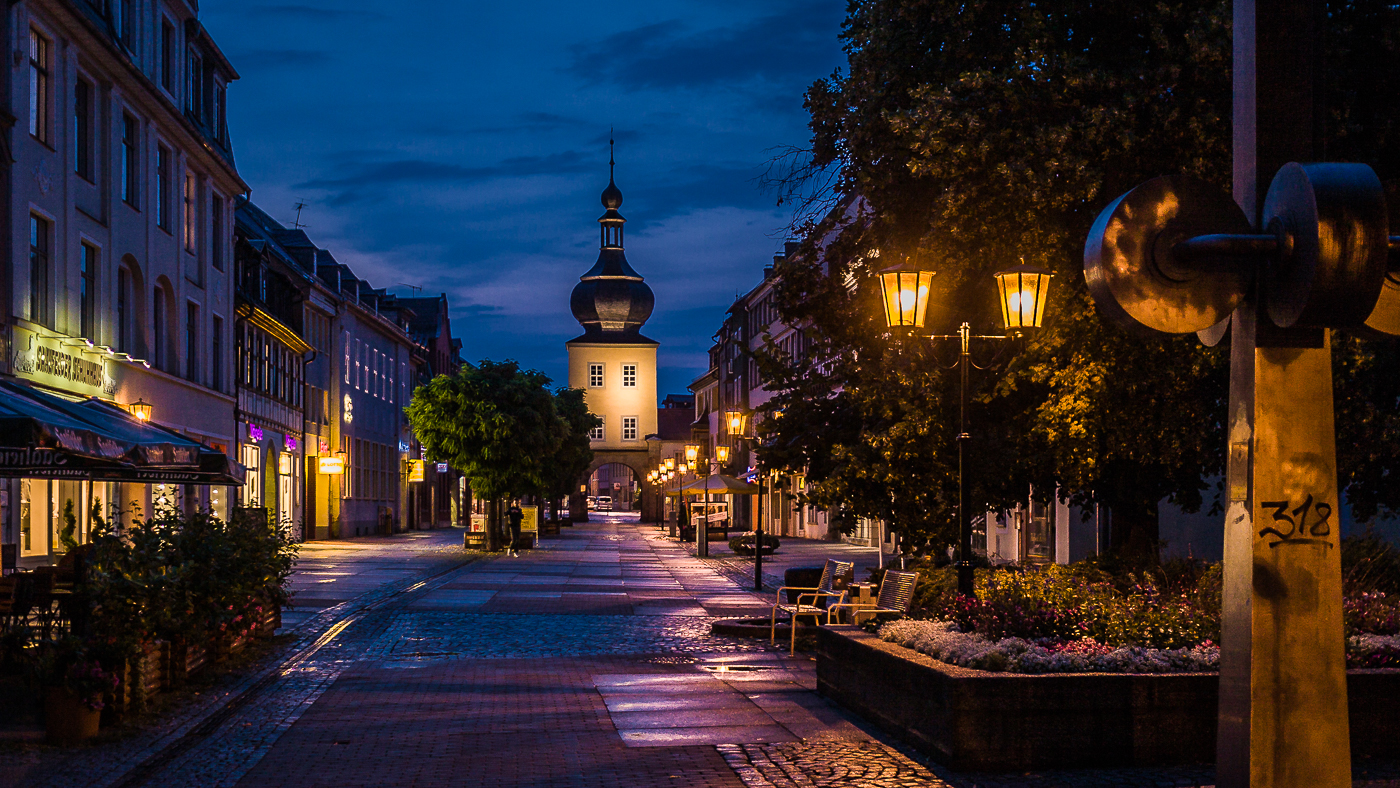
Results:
[442, 467]
[415, 470]
[332, 466]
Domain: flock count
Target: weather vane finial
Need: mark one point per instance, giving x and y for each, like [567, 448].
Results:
[610, 153]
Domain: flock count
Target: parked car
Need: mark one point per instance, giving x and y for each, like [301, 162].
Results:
[604, 503]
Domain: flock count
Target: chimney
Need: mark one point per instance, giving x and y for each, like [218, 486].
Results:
[767, 272]
[790, 248]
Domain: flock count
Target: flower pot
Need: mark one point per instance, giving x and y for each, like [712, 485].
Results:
[67, 720]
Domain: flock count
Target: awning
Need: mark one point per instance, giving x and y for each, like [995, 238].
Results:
[45, 436]
[719, 483]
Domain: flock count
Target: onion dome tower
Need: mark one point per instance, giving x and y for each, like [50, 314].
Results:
[612, 362]
[612, 301]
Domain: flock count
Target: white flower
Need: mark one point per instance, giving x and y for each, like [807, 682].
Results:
[940, 640]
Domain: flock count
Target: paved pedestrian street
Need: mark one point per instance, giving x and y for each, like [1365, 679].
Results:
[585, 663]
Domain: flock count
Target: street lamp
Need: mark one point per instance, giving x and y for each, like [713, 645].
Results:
[141, 409]
[1023, 291]
[692, 453]
[734, 419]
[670, 463]
[1023, 288]
[722, 454]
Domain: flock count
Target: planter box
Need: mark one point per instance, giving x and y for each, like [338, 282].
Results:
[977, 720]
[185, 660]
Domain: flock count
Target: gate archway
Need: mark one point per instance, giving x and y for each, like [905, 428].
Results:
[634, 462]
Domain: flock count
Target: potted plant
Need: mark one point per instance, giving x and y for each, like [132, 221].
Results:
[75, 690]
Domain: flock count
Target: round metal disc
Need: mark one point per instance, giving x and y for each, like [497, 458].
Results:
[1127, 258]
[1336, 216]
[1385, 318]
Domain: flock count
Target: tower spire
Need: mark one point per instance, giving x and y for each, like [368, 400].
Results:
[610, 155]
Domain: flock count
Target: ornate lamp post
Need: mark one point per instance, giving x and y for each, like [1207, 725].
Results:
[1023, 292]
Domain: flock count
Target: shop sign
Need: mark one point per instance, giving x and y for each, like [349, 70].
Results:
[415, 470]
[442, 467]
[255, 433]
[347, 409]
[331, 466]
[289, 442]
[530, 523]
[403, 447]
[49, 362]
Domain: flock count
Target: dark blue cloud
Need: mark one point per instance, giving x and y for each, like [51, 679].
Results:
[792, 46]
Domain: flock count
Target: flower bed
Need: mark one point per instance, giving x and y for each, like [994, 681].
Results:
[986, 720]
[1095, 617]
[942, 641]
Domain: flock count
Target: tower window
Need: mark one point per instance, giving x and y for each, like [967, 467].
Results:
[595, 377]
[597, 433]
[629, 376]
[629, 428]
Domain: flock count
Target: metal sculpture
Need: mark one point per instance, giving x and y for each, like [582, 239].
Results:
[1177, 255]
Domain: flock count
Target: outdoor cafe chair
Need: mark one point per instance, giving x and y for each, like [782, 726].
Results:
[895, 596]
[812, 602]
[16, 601]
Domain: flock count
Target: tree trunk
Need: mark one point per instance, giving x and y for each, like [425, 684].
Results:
[493, 526]
[1133, 532]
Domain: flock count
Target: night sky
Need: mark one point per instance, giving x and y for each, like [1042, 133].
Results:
[461, 147]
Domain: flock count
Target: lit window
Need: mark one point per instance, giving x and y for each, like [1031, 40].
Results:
[629, 376]
[595, 377]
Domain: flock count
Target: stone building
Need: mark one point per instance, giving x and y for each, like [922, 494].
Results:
[117, 223]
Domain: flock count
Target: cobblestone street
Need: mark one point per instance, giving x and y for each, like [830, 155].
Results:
[587, 662]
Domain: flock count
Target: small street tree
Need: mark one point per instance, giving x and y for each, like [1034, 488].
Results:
[495, 423]
[574, 452]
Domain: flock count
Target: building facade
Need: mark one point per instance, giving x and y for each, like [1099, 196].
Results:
[118, 280]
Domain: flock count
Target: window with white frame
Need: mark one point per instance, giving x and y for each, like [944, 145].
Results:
[629, 376]
[597, 433]
[595, 377]
[629, 428]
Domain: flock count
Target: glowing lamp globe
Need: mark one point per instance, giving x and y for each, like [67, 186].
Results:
[722, 454]
[1023, 290]
[905, 292]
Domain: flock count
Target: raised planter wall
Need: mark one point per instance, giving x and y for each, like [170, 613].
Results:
[972, 719]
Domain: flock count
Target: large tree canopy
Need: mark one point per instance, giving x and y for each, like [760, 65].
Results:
[969, 136]
[494, 422]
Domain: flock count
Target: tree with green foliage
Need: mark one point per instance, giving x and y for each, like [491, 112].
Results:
[497, 424]
[574, 452]
[968, 137]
